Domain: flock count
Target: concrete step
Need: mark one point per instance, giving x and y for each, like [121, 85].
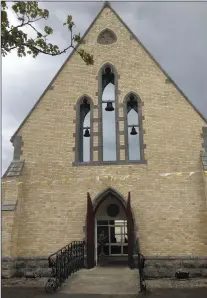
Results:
[103, 280]
[76, 295]
[97, 295]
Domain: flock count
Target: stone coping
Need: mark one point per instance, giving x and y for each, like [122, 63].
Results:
[184, 257]
[175, 257]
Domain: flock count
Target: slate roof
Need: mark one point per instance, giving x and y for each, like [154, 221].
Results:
[204, 160]
[14, 169]
[8, 205]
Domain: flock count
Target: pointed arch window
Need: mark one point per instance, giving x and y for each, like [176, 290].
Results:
[106, 37]
[133, 128]
[108, 113]
[84, 131]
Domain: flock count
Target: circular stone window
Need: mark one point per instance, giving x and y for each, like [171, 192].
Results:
[113, 210]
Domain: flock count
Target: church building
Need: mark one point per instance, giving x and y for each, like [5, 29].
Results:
[113, 150]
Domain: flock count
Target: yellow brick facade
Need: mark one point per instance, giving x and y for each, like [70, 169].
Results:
[170, 212]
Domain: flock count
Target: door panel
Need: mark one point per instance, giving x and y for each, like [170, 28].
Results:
[117, 238]
[90, 233]
[130, 227]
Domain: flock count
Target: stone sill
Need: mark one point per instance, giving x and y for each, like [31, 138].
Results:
[100, 163]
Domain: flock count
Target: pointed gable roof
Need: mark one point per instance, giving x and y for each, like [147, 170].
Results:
[107, 5]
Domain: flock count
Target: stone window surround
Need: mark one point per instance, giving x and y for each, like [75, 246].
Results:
[99, 120]
[140, 127]
[107, 31]
[100, 127]
[77, 136]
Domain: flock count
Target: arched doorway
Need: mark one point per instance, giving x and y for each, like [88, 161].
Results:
[111, 214]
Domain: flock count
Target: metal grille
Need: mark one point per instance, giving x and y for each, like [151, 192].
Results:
[141, 261]
[64, 262]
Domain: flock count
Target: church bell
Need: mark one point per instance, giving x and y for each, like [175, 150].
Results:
[87, 133]
[109, 107]
[133, 131]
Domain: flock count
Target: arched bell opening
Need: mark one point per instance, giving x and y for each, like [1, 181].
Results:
[110, 222]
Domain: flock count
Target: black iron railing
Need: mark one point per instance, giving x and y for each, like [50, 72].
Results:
[141, 261]
[64, 262]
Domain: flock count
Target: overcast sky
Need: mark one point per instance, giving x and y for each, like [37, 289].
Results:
[175, 34]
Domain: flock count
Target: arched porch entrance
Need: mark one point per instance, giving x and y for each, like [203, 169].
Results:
[111, 214]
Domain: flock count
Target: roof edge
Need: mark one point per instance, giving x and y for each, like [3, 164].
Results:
[106, 5]
[160, 67]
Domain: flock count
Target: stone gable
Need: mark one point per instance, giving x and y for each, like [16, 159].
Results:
[170, 211]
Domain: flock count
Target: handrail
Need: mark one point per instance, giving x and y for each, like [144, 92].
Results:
[64, 262]
[59, 250]
[141, 261]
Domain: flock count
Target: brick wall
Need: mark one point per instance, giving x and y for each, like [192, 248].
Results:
[170, 211]
[11, 194]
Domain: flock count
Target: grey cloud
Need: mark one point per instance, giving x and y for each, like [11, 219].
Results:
[175, 34]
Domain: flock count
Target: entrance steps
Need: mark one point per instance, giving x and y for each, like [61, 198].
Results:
[103, 282]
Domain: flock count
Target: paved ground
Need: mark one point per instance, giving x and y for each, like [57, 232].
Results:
[17, 292]
[110, 283]
[104, 280]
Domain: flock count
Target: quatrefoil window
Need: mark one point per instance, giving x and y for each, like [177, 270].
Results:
[107, 37]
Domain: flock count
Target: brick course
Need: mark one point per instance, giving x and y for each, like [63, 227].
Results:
[170, 212]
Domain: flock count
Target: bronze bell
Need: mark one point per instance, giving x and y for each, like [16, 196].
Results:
[133, 131]
[87, 133]
[109, 107]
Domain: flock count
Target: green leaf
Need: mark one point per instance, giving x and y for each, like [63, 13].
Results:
[77, 38]
[3, 16]
[69, 19]
[48, 30]
[14, 37]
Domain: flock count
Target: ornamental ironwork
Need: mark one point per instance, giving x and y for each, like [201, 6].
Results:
[64, 262]
[141, 262]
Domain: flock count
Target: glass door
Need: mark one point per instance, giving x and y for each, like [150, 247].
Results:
[115, 232]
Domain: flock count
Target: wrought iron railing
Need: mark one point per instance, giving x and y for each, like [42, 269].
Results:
[141, 262]
[64, 262]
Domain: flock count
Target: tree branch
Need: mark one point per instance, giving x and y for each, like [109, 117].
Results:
[34, 28]
[39, 50]
[24, 24]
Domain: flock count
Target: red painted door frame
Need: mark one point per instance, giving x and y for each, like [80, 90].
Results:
[90, 232]
[130, 228]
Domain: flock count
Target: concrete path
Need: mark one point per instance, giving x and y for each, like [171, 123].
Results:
[104, 280]
[15, 292]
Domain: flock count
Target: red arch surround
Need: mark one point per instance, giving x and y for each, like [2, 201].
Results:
[92, 207]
